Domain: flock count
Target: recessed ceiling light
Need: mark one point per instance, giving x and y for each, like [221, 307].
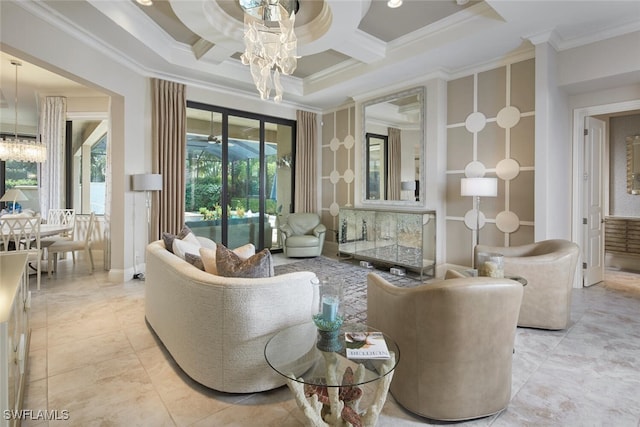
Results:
[394, 3]
[145, 2]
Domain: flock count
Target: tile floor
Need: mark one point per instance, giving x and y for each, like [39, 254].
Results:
[93, 355]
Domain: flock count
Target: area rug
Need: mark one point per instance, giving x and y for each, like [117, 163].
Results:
[353, 277]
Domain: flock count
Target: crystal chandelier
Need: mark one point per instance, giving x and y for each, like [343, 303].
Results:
[270, 43]
[17, 149]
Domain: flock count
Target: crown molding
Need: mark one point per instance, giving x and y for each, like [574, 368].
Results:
[51, 16]
[608, 33]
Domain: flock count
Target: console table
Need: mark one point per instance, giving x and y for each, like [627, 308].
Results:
[404, 238]
[328, 387]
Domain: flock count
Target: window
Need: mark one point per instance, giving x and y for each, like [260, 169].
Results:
[238, 175]
[21, 175]
[87, 144]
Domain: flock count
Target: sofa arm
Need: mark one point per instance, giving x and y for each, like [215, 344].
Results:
[286, 230]
[319, 229]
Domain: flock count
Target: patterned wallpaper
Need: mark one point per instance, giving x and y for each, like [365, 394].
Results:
[490, 133]
[338, 166]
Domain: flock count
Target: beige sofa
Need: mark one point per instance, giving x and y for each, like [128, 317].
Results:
[549, 266]
[216, 327]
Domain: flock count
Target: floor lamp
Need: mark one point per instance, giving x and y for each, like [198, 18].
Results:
[147, 182]
[478, 187]
[13, 195]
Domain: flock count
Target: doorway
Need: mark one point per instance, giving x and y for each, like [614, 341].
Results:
[586, 178]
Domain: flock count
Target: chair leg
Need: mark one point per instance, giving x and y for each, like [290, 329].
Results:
[49, 263]
[90, 256]
[39, 270]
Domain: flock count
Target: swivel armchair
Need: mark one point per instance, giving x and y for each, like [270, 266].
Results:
[456, 340]
[549, 267]
[302, 235]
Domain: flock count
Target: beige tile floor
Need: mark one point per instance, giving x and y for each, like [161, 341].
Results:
[93, 355]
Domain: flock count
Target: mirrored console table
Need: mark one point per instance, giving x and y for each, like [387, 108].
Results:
[402, 238]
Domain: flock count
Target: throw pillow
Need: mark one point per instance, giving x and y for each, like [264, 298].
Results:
[231, 265]
[208, 256]
[194, 260]
[182, 247]
[206, 242]
[169, 238]
[453, 274]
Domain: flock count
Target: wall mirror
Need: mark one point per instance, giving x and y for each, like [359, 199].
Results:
[393, 139]
[633, 164]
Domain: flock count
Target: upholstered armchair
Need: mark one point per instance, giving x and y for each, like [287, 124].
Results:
[549, 267]
[456, 340]
[302, 235]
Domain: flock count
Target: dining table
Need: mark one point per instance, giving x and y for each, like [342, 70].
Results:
[46, 230]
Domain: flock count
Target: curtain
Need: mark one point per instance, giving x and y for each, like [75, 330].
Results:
[394, 151]
[169, 151]
[53, 134]
[305, 165]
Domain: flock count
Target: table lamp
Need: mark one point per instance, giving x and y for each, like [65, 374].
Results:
[13, 194]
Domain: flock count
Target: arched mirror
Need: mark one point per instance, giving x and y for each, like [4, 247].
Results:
[393, 136]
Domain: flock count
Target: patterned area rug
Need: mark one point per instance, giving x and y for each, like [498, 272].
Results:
[354, 279]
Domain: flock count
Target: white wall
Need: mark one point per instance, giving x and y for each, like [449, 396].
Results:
[600, 73]
[130, 137]
[607, 63]
[553, 151]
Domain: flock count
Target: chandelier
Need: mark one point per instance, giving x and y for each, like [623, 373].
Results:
[17, 149]
[270, 43]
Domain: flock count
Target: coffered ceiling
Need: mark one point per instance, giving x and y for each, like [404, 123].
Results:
[349, 49]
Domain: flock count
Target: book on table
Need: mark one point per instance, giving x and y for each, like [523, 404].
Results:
[366, 345]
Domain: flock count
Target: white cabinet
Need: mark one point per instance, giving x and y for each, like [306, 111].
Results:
[14, 333]
[404, 238]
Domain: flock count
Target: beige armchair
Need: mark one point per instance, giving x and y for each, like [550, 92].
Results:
[302, 235]
[456, 341]
[549, 267]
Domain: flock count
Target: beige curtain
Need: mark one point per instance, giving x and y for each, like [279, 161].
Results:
[394, 152]
[169, 143]
[305, 165]
[53, 133]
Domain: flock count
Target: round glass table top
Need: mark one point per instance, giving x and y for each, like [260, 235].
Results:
[294, 354]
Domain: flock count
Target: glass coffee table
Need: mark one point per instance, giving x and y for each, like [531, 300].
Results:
[329, 387]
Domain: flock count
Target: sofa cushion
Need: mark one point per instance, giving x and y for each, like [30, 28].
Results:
[208, 256]
[169, 238]
[190, 244]
[194, 260]
[231, 265]
[303, 241]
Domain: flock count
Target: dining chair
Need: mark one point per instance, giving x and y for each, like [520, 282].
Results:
[23, 234]
[73, 245]
[59, 217]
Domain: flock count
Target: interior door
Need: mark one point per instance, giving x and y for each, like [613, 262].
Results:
[593, 200]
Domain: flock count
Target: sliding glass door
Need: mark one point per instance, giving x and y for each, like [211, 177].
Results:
[239, 175]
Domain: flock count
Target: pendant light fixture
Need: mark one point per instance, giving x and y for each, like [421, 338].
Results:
[270, 43]
[18, 149]
[212, 139]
